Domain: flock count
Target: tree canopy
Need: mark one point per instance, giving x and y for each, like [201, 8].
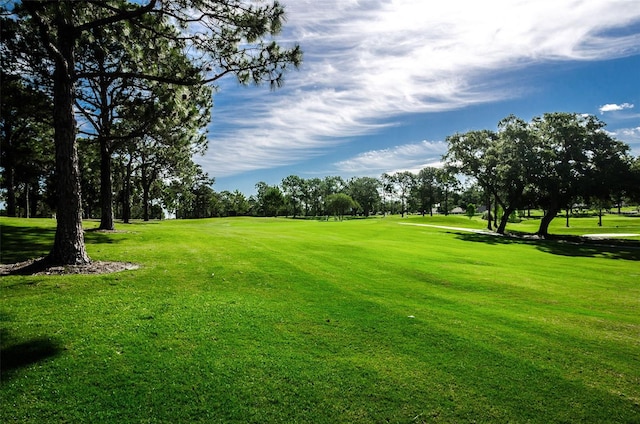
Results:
[61, 44]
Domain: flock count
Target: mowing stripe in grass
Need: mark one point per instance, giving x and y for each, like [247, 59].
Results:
[274, 320]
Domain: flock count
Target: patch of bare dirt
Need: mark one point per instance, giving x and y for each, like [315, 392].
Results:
[41, 266]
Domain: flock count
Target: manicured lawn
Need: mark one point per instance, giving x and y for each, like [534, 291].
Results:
[276, 320]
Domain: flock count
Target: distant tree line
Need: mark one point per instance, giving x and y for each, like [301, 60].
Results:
[297, 197]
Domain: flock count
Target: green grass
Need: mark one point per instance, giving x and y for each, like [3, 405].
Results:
[274, 320]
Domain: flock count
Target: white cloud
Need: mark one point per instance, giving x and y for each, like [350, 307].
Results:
[631, 136]
[407, 157]
[628, 135]
[612, 107]
[368, 62]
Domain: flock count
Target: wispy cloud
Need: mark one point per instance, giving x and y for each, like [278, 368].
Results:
[612, 107]
[631, 136]
[408, 157]
[368, 62]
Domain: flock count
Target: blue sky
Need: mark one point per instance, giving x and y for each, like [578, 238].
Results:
[384, 82]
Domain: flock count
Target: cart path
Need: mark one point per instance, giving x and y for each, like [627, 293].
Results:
[443, 227]
[491, 233]
[611, 235]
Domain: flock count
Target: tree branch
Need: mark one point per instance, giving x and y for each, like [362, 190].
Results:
[121, 15]
[88, 116]
[44, 31]
[148, 77]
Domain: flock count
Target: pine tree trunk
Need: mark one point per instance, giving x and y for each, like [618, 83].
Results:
[106, 189]
[495, 211]
[106, 192]
[11, 192]
[489, 227]
[10, 169]
[32, 200]
[68, 247]
[27, 213]
[126, 201]
[145, 202]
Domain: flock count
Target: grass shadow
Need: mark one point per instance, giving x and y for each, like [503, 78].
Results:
[22, 243]
[23, 354]
[18, 244]
[95, 236]
[565, 245]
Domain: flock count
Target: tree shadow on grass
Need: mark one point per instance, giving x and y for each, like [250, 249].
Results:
[18, 244]
[99, 237]
[15, 356]
[21, 243]
[565, 245]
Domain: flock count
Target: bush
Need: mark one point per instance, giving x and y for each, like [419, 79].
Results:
[471, 210]
[514, 218]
